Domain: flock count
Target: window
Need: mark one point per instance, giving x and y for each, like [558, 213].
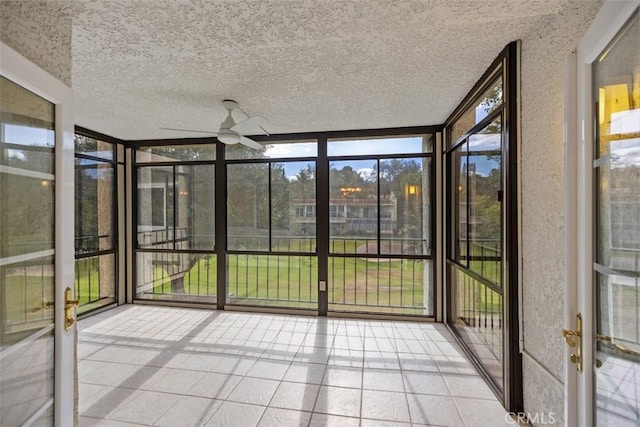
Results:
[95, 222]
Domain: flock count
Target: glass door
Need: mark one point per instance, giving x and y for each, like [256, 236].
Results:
[616, 267]
[602, 376]
[36, 349]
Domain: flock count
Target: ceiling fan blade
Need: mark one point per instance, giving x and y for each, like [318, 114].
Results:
[250, 143]
[191, 130]
[252, 124]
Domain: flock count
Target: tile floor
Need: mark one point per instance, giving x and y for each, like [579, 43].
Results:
[160, 366]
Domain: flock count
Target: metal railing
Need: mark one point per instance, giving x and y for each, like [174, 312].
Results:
[286, 274]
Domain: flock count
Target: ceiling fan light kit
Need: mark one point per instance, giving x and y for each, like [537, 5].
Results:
[231, 132]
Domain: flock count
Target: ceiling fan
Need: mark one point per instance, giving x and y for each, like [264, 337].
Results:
[231, 132]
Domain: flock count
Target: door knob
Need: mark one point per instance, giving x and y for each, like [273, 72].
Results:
[69, 313]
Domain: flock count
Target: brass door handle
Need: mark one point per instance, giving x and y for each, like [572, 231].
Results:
[69, 304]
[573, 338]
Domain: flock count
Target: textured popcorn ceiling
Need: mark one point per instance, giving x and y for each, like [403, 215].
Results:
[305, 65]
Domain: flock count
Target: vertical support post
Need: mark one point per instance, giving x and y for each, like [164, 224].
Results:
[221, 226]
[322, 224]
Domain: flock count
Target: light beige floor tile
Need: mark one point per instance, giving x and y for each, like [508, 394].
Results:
[433, 410]
[343, 377]
[326, 420]
[254, 390]
[385, 405]
[146, 408]
[480, 413]
[339, 401]
[234, 414]
[380, 379]
[311, 373]
[189, 411]
[425, 383]
[298, 396]
[215, 386]
[468, 386]
[277, 417]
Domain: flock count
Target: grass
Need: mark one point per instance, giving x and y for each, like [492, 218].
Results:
[281, 280]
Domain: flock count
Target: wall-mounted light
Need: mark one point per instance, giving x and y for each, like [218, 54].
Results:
[44, 183]
[413, 189]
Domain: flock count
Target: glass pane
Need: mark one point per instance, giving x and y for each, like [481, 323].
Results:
[155, 200]
[398, 286]
[94, 147]
[248, 206]
[488, 102]
[616, 393]
[484, 174]
[94, 208]
[95, 282]
[26, 227]
[26, 129]
[618, 217]
[273, 150]
[459, 203]
[353, 206]
[195, 207]
[617, 180]
[176, 276]
[293, 207]
[405, 206]
[26, 369]
[478, 318]
[174, 153]
[272, 280]
[27, 206]
[380, 145]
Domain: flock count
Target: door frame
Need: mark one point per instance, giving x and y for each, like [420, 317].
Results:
[25, 73]
[578, 199]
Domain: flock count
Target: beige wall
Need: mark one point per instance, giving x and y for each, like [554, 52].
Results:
[543, 54]
[41, 32]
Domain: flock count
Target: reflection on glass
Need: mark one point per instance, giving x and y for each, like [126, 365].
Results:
[488, 102]
[273, 150]
[293, 207]
[459, 203]
[272, 280]
[173, 153]
[405, 206]
[248, 206]
[93, 147]
[26, 128]
[195, 206]
[484, 175]
[26, 229]
[380, 145]
[176, 276]
[156, 207]
[176, 206]
[617, 172]
[478, 319]
[93, 206]
[353, 206]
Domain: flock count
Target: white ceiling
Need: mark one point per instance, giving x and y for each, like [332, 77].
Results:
[305, 65]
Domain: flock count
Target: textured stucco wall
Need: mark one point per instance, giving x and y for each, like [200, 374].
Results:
[543, 54]
[41, 32]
